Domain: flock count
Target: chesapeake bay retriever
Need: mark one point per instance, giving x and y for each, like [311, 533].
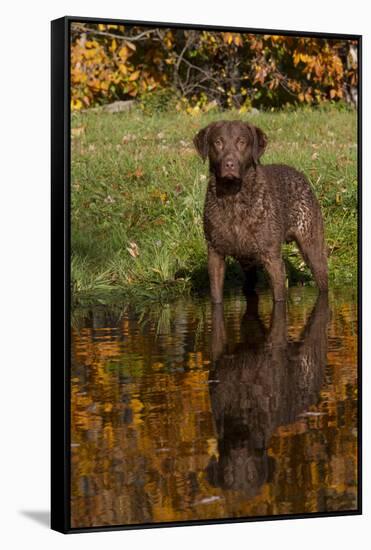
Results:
[252, 209]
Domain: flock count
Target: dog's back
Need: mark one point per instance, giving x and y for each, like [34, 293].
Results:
[293, 200]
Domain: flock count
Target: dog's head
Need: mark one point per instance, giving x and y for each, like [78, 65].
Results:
[232, 146]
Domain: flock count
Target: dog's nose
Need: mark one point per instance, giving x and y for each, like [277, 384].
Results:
[229, 164]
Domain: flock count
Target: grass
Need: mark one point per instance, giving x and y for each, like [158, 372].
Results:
[138, 189]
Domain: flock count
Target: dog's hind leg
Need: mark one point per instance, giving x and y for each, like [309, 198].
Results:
[313, 250]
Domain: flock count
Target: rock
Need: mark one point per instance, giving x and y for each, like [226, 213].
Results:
[119, 106]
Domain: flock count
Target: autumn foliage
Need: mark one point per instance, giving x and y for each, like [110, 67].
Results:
[203, 69]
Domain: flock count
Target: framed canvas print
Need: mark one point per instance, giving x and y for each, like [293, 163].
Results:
[206, 203]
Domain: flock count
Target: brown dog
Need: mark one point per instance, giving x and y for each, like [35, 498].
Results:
[251, 210]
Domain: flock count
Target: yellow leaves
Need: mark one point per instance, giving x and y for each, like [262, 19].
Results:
[102, 27]
[97, 68]
[193, 111]
[90, 54]
[318, 69]
[134, 76]
[305, 97]
[124, 53]
[232, 38]
[227, 37]
[76, 104]
[296, 58]
[168, 40]
[238, 40]
[91, 44]
[301, 57]
[163, 196]
[338, 198]
[337, 65]
[105, 67]
[201, 106]
[336, 93]
[123, 69]
[113, 46]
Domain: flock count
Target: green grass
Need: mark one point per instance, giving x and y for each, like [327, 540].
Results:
[138, 189]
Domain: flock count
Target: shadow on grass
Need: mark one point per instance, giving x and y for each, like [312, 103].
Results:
[234, 277]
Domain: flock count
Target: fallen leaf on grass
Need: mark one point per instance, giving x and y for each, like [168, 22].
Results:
[128, 137]
[133, 249]
[138, 173]
[77, 132]
[109, 200]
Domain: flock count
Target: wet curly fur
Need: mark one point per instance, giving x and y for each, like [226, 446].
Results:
[252, 209]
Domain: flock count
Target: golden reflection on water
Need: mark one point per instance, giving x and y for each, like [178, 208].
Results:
[184, 412]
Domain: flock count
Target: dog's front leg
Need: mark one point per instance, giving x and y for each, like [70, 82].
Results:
[216, 268]
[277, 275]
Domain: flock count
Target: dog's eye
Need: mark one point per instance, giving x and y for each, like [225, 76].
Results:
[241, 141]
[218, 143]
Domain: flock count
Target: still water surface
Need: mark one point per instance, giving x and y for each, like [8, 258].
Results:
[183, 412]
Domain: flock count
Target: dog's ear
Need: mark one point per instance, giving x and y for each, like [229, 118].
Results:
[201, 141]
[259, 145]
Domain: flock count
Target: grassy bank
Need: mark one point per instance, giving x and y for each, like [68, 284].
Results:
[138, 189]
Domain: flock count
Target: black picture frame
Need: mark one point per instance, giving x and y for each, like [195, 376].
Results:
[60, 273]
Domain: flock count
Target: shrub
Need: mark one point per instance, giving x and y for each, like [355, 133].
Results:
[226, 69]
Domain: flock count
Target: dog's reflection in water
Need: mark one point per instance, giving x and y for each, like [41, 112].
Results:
[264, 383]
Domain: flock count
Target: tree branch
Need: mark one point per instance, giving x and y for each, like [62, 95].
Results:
[117, 36]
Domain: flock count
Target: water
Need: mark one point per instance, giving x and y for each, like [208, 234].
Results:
[181, 412]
